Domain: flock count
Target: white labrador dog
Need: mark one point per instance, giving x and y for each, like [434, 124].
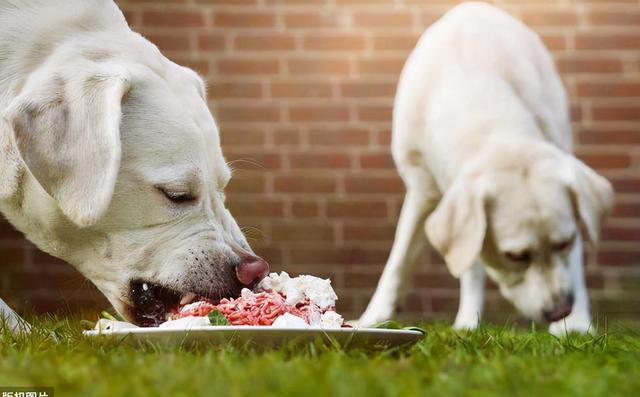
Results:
[110, 159]
[482, 140]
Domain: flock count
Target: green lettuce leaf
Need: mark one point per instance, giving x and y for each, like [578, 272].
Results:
[217, 318]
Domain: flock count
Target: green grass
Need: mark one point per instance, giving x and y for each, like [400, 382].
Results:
[491, 361]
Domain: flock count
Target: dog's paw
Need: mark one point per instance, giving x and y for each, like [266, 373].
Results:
[566, 326]
[466, 324]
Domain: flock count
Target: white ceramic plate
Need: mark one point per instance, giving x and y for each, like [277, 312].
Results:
[370, 338]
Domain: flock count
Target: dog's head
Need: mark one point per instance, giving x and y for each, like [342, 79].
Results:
[123, 175]
[519, 211]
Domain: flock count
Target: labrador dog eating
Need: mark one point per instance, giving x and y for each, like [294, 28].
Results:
[482, 140]
[111, 160]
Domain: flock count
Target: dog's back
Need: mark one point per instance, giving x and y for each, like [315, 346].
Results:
[474, 70]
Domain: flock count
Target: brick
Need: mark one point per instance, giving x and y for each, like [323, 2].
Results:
[595, 65]
[304, 184]
[211, 41]
[256, 208]
[360, 2]
[152, 2]
[247, 114]
[618, 258]
[600, 17]
[229, 2]
[240, 66]
[244, 20]
[375, 113]
[234, 90]
[381, 66]
[265, 42]
[395, 42]
[367, 89]
[607, 41]
[239, 137]
[377, 160]
[272, 254]
[626, 184]
[317, 113]
[305, 209]
[615, 113]
[436, 281]
[385, 19]
[360, 280]
[373, 185]
[595, 281]
[539, 18]
[300, 90]
[247, 184]
[608, 89]
[611, 233]
[368, 233]
[575, 112]
[311, 20]
[286, 137]
[357, 209]
[295, 2]
[298, 232]
[319, 160]
[607, 161]
[339, 256]
[319, 66]
[609, 136]
[346, 136]
[200, 66]
[626, 210]
[334, 42]
[554, 41]
[172, 18]
[261, 159]
[169, 42]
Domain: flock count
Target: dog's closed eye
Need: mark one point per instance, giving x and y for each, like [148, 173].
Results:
[520, 257]
[178, 197]
[562, 245]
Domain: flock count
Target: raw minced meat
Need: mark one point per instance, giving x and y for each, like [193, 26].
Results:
[308, 298]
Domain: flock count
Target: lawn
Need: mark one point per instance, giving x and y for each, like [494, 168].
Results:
[492, 361]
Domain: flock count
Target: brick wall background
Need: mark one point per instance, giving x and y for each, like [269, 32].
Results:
[303, 90]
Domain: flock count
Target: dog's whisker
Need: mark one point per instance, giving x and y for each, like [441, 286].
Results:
[249, 161]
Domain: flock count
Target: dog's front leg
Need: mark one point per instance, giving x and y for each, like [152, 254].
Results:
[9, 318]
[580, 318]
[472, 284]
[409, 239]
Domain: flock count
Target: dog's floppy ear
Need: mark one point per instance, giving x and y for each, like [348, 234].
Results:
[458, 225]
[66, 126]
[591, 193]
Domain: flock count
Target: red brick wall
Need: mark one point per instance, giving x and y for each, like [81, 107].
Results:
[303, 90]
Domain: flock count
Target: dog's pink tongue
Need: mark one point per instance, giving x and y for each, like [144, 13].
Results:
[251, 270]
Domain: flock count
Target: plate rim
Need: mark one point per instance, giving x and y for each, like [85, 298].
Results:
[247, 328]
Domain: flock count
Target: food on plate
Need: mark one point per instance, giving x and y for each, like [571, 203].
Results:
[279, 300]
[309, 298]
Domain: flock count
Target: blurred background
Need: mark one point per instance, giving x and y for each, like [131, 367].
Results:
[303, 91]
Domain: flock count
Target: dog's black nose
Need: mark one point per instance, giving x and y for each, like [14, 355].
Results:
[560, 310]
[251, 270]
